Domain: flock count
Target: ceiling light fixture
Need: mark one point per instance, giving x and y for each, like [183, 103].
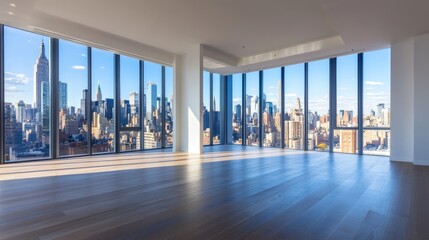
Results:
[10, 13]
[12, 5]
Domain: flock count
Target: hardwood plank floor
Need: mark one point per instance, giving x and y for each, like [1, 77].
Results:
[230, 192]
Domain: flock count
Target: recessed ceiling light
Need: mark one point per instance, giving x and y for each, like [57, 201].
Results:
[12, 5]
[11, 13]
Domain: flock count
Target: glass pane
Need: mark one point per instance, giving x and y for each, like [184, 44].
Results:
[216, 109]
[271, 105]
[169, 100]
[294, 106]
[153, 101]
[206, 108]
[103, 104]
[376, 76]
[346, 141]
[27, 95]
[376, 142]
[318, 106]
[252, 109]
[130, 85]
[73, 74]
[347, 92]
[130, 140]
[237, 95]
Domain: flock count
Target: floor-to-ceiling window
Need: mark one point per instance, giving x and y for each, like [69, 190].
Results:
[318, 105]
[27, 118]
[294, 106]
[206, 107]
[216, 109]
[252, 137]
[73, 99]
[237, 109]
[130, 107]
[153, 101]
[346, 132]
[103, 101]
[169, 102]
[92, 103]
[271, 108]
[376, 102]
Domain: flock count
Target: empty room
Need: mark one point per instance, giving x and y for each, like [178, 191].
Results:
[214, 119]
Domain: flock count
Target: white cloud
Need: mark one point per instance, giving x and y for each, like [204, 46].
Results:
[13, 89]
[375, 94]
[102, 67]
[83, 55]
[16, 78]
[77, 67]
[290, 95]
[373, 83]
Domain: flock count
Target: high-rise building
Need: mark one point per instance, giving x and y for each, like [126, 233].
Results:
[21, 111]
[380, 108]
[99, 95]
[62, 94]
[151, 99]
[238, 112]
[348, 141]
[41, 74]
[134, 102]
[83, 102]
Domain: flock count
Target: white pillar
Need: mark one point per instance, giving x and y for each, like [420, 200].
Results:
[188, 92]
[421, 100]
[402, 101]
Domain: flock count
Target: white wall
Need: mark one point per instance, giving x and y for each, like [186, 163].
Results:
[421, 100]
[410, 101]
[402, 100]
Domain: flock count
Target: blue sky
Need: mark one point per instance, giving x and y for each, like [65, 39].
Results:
[22, 49]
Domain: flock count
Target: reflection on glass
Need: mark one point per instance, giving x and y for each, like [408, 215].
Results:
[376, 142]
[237, 91]
[346, 141]
[27, 108]
[271, 105]
[103, 104]
[206, 108]
[169, 101]
[153, 103]
[216, 109]
[318, 106]
[252, 109]
[347, 91]
[376, 77]
[294, 106]
[73, 120]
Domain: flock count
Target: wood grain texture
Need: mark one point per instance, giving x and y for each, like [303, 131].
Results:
[230, 192]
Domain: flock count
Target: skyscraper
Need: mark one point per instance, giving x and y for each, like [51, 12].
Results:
[99, 95]
[21, 111]
[151, 99]
[41, 74]
[62, 95]
[134, 102]
[83, 102]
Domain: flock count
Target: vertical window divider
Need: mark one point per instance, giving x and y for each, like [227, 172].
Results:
[282, 106]
[54, 92]
[117, 105]
[261, 99]
[88, 110]
[211, 110]
[142, 110]
[306, 106]
[163, 102]
[243, 109]
[2, 92]
[360, 103]
[332, 101]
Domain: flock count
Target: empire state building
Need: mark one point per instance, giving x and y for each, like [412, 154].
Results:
[41, 77]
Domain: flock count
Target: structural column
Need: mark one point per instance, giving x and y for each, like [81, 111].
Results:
[188, 93]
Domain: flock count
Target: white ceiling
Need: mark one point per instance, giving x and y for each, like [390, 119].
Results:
[248, 34]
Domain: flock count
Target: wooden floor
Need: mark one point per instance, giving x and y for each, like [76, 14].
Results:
[228, 193]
